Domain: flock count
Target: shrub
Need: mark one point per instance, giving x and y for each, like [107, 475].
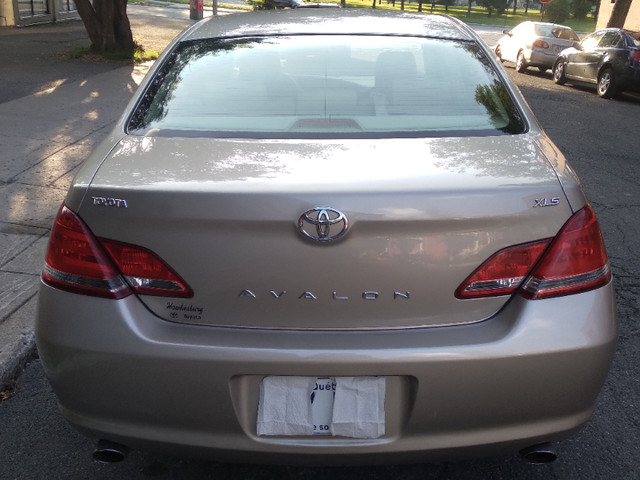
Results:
[499, 6]
[581, 8]
[557, 11]
[261, 4]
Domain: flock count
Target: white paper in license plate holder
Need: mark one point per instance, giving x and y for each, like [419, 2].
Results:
[357, 413]
[322, 398]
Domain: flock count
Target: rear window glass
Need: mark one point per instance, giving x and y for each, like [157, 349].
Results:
[312, 86]
[555, 31]
[565, 34]
[632, 38]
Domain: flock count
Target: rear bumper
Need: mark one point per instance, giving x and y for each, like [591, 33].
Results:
[530, 374]
[630, 80]
[539, 57]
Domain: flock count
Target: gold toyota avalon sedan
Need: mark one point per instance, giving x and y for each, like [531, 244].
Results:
[327, 236]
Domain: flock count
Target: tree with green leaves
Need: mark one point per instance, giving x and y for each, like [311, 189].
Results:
[619, 14]
[581, 8]
[557, 11]
[500, 6]
[107, 25]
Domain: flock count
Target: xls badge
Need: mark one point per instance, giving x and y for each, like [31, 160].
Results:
[323, 224]
[546, 202]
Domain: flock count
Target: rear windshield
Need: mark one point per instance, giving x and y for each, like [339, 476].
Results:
[314, 86]
[565, 34]
[633, 38]
[555, 31]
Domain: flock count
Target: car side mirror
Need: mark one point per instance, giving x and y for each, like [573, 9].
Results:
[507, 32]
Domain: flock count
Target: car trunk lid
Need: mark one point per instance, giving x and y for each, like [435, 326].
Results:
[422, 215]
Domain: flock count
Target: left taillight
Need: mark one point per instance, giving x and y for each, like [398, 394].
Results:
[78, 262]
[540, 43]
[145, 272]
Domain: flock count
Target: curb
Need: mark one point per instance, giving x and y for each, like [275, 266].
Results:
[17, 341]
[41, 156]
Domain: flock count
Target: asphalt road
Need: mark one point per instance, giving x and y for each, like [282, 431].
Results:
[600, 140]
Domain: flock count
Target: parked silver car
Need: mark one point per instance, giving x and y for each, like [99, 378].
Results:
[535, 44]
[327, 236]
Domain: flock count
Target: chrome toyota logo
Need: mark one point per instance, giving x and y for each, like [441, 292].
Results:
[323, 224]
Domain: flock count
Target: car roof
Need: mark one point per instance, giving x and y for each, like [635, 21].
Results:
[547, 23]
[624, 32]
[330, 21]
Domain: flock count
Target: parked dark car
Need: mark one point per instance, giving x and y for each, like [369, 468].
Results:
[608, 58]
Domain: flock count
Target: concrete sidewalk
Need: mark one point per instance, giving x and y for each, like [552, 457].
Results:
[44, 139]
[44, 136]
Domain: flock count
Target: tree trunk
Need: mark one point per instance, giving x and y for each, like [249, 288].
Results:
[619, 14]
[107, 25]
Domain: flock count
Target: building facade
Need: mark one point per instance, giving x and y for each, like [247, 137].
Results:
[633, 17]
[29, 12]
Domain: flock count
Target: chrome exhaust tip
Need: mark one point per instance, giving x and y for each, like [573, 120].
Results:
[539, 454]
[110, 452]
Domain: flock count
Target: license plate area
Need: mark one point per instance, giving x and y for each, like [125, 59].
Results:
[322, 399]
[352, 407]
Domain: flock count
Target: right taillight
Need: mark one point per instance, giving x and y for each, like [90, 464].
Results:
[503, 272]
[572, 262]
[576, 260]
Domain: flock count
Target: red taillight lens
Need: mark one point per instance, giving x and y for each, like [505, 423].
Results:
[574, 261]
[145, 272]
[76, 261]
[540, 44]
[635, 55]
[502, 273]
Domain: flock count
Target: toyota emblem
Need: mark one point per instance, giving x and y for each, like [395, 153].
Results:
[323, 224]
